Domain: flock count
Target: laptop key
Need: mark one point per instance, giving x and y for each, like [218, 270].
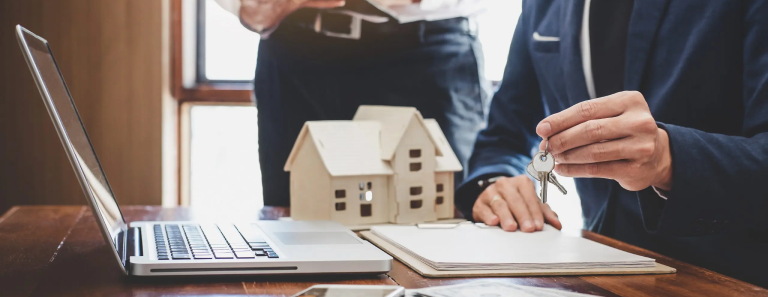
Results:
[223, 255]
[260, 253]
[181, 257]
[244, 255]
[272, 255]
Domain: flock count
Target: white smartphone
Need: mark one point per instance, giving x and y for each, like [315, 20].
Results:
[352, 291]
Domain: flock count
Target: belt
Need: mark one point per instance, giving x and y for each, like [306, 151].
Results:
[349, 24]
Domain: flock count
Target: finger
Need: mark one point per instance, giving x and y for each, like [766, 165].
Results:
[597, 152]
[610, 170]
[588, 132]
[518, 206]
[481, 211]
[552, 217]
[322, 4]
[501, 209]
[528, 192]
[604, 107]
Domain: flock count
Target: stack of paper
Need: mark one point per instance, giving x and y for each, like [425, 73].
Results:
[468, 247]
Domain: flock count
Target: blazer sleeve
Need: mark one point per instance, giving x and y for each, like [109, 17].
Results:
[721, 179]
[504, 146]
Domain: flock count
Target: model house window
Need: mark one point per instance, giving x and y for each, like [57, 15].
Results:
[414, 153]
[368, 196]
[416, 204]
[370, 185]
[341, 193]
[415, 166]
[415, 191]
[341, 206]
[439, 200]
[365, 210]
[439, 188]
[361, 186]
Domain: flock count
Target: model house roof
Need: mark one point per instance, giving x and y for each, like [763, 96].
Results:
[345, 147]
[394, 121]
[448, 161]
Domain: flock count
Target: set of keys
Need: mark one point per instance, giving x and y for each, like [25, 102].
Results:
[541, 168]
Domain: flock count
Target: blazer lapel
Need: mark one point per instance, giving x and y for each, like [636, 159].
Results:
[573, 70]
[643, 27]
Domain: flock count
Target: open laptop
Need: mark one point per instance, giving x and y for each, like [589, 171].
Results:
[191, 248]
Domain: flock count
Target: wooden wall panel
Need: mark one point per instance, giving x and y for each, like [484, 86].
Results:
[113, 55]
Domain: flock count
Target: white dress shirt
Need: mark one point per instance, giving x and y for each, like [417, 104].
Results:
[426, 10]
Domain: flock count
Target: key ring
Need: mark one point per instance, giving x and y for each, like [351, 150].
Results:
[546, 149]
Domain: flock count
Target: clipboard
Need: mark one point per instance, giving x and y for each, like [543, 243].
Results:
[427, 271]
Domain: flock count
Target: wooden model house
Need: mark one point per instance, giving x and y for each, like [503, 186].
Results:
[386, 165]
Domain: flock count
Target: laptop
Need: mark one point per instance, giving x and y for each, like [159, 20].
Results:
[192, 248]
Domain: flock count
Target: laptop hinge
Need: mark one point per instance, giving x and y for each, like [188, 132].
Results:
[133, 245]
[128, 244]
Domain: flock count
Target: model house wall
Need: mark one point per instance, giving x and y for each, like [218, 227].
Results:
[414, 167]
[308, 178]
[360, 199]
[387, 165]
[444, 195]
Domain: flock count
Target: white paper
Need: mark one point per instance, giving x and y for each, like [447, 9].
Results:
[469, 247]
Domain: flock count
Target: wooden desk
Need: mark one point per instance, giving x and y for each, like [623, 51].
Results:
[57, 250]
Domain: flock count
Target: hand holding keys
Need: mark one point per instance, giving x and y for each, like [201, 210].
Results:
[541, 168]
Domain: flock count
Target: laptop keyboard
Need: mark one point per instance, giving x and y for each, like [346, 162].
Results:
[210, 241]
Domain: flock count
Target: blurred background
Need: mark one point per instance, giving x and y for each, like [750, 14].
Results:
[165, 91]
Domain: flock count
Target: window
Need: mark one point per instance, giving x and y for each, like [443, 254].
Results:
[365, 210]
[227, 50]
[361, 186]
[341, 206]
[439, 188]
[369, 196]
[415, 166]
[370, 185]
[341, 193]
[415, 191]
[416, 204]
[439, 200]
[414, 153]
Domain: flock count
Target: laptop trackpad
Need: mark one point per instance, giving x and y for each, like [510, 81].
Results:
[302, 238]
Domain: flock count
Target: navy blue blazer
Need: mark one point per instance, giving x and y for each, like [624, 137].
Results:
[703, 69]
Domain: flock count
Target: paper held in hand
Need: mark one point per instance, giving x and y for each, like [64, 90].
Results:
[468, 247]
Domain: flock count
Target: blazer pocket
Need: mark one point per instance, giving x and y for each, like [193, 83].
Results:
[545, 44]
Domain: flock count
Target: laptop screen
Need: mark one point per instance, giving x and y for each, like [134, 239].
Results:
[72, 133]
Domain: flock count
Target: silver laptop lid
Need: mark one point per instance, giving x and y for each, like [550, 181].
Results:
[70, 128]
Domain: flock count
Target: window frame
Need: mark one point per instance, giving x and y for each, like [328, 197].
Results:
[200, 92]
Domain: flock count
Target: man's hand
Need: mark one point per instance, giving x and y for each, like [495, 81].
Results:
[258, 15]
[512, 203]
[612, 137]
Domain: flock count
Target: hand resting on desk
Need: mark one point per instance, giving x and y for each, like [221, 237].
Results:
[512, 203]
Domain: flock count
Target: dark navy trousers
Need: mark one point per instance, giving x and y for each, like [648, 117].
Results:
[305, 76]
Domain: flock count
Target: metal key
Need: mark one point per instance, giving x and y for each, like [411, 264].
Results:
[552, 179]
[543, 163]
